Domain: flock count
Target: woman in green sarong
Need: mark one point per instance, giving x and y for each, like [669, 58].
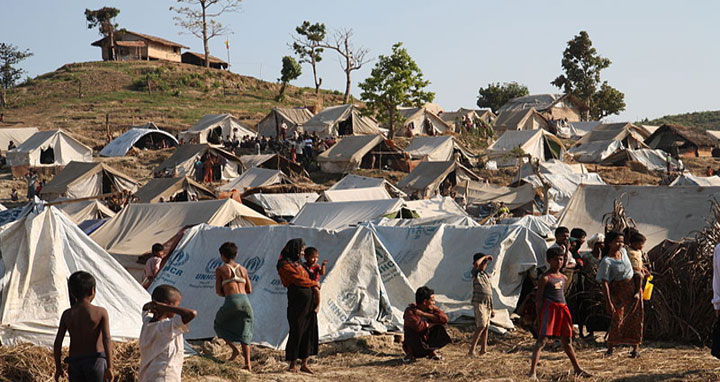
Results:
[234, 320]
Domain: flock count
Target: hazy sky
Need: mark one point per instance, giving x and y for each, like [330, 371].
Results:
[666, 56]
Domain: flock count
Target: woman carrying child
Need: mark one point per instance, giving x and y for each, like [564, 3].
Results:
[234, 319]
[302, 320]
[623, 295]
[554, 316]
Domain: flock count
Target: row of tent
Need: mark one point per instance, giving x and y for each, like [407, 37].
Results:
[373, 268]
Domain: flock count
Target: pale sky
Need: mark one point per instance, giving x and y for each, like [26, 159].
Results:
[665, 53]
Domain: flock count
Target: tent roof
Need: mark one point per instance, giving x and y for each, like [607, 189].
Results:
[281, 204]
[187, 152]
[481, 193]
[78, 171]
[430, 174]
[40, 251]
[583, 127]
[37, 140]
[340, 215]
[158, 188]
[148, 37]
[424, 147]
[324, 121]
[688, 179]
[355, 194]
[273, 161]
[350, 148]
[16, 134]
[201, 56]
[714, 133]
[84, 210]
[509, 119]
[435, 207]
[653, 160]
[120, 145]
[613, 131]
[139, 225]
[660, 212]
[209, 121]
[297, 115]
[350, 181]
[697, 137]
[539, 102]
[255, 177]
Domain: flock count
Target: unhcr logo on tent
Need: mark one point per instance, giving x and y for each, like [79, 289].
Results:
[253, 265]
[467, 276]
[180, 259]
[213, 264]
[493, 240]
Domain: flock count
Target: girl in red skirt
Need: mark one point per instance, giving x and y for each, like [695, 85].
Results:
[554, 317]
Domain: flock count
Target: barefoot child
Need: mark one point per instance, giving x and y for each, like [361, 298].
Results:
[482, 302]
[90, 344]
[315, 271]
[161, 337]
[554, 316]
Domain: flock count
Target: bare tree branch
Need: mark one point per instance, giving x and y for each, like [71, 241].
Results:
[354, 57]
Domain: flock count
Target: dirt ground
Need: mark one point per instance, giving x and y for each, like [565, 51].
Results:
[379, 358]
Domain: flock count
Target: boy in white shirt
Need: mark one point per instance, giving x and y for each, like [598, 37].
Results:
[161, 338]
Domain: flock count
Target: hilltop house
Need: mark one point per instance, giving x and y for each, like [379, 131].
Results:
[137, 46]
[199, 60]
[680, 141]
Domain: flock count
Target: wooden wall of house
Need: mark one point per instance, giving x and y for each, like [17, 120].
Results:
[564, 112]
[163, 52]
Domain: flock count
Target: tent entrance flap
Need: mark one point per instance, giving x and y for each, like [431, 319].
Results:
[346, 127]
[47, 156]
[215, 135]
[552, 149]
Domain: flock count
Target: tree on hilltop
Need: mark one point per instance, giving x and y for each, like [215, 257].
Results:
[495, 95]
[198, 18]
[104, 20]
[396, 80]
[582, 65]
[291, 70]
[307, 44]
[351, 57]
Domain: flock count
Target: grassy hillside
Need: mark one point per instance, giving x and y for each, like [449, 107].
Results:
[707, 120]
[77, 97]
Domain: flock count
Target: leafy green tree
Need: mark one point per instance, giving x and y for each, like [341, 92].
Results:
[104, 20]
[10, 56]
[291, 70]
[582, 65]
[307, 44]
[495, 95]
[198, 18]
[396, 80]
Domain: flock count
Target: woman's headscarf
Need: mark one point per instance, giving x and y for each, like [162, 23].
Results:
[291, 251]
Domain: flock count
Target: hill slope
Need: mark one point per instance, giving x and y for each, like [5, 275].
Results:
[77, 97]
[706, 120]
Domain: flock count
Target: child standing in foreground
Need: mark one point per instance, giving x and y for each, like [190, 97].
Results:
[554, 316]
[481, 301]
[161, 337]
[315, 271]
[90, 344]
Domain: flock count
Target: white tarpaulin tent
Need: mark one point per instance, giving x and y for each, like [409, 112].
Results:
[139, 225]
[213, 128]
[421, 121]
[255, 177]
[85, 179]
[538, 143]
[441, 258]
[363, 291]
[553, 166]
[340, 215]
[483, 193]
[347, 154]
[454, 220]
[435, 207]
[562, 187]
[652, 160]
[293, 118]
[432, 149]
[49, 148]
[688, 179]
[39, 253]
[543, 225]
[122, 144]
[595, 152]
[351, 181]
[182, 162]
[17, 135]
[81, 211]
[341, 120]
[426, 179]
[172, 189]
[354, 194]
[660, 212]
[281, 205]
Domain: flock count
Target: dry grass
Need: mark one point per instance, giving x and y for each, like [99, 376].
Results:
[379, 358]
